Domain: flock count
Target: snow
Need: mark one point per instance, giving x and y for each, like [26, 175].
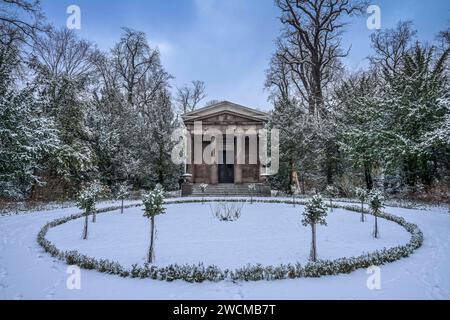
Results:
[26, 272]
[270, 234]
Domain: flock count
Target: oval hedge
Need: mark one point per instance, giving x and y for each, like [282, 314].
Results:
[200, 272]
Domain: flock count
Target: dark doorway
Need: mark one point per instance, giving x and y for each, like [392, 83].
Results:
[226, 171]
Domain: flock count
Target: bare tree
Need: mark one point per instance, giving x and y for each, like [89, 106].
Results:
[391, 45]
[188, 97]
[21, 18]
[311, 44]
[59, 58]
[279, 79]
[134, 59]
[108, 81]
[61, 53]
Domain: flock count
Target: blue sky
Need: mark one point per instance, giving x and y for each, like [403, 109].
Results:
[228, 43]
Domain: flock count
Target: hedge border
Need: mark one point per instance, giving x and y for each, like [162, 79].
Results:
[200, 273]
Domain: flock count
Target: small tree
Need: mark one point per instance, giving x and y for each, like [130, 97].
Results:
[203, 187]
[97, 189]
[153, 203]
[86, 201]
[332, 192]
[252, 190]
[362, 195]
[376, 204]
[122, 193]
[315, 213]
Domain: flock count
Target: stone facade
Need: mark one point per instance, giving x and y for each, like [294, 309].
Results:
[223, 144]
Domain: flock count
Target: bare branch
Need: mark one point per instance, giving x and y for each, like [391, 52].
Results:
[188, 98]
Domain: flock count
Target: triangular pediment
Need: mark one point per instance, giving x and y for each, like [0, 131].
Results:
[226, 117]
[226, 112]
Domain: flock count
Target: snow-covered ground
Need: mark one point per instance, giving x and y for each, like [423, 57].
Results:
[266, 233]
[269, 234]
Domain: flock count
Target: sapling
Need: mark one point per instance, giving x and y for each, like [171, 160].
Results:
[376, 204]
[314, 214]
[86, 201]
[122, 193]
[332, 192]
[362, 195]
[203, 187]
[153, 206]
[252, 190]
[97, 190]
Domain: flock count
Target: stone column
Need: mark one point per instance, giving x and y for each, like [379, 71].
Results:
[214, 174]
[237, 166]
[192, 165]
[214, 168]
[238, 174]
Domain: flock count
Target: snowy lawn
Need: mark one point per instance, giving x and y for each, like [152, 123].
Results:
[26, 272]
[269, 234]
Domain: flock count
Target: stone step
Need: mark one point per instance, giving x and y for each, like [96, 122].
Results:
[223, 190]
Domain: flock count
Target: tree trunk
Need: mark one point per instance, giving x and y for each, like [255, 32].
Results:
[151, 251]
[331, 204]
[363, 218]
[368, 177]
[86, 222]
[94, 216]
[313, 255]
[121, 210]
[303, 184]
[33, 193]
[376, 233]
[295, 180]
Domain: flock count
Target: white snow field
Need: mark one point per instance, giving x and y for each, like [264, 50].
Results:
[269, 234]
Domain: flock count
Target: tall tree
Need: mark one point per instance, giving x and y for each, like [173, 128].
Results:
[312, 43]
[391, 46]
[416, 105]
[188, 97]
[134, 59]
[63, 75]
[310, 48]
[359, 131]
[26, 135]
[21, 18]
[134, 148]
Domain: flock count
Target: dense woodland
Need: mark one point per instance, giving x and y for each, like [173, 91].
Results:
[386, 127]
[71, 114]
